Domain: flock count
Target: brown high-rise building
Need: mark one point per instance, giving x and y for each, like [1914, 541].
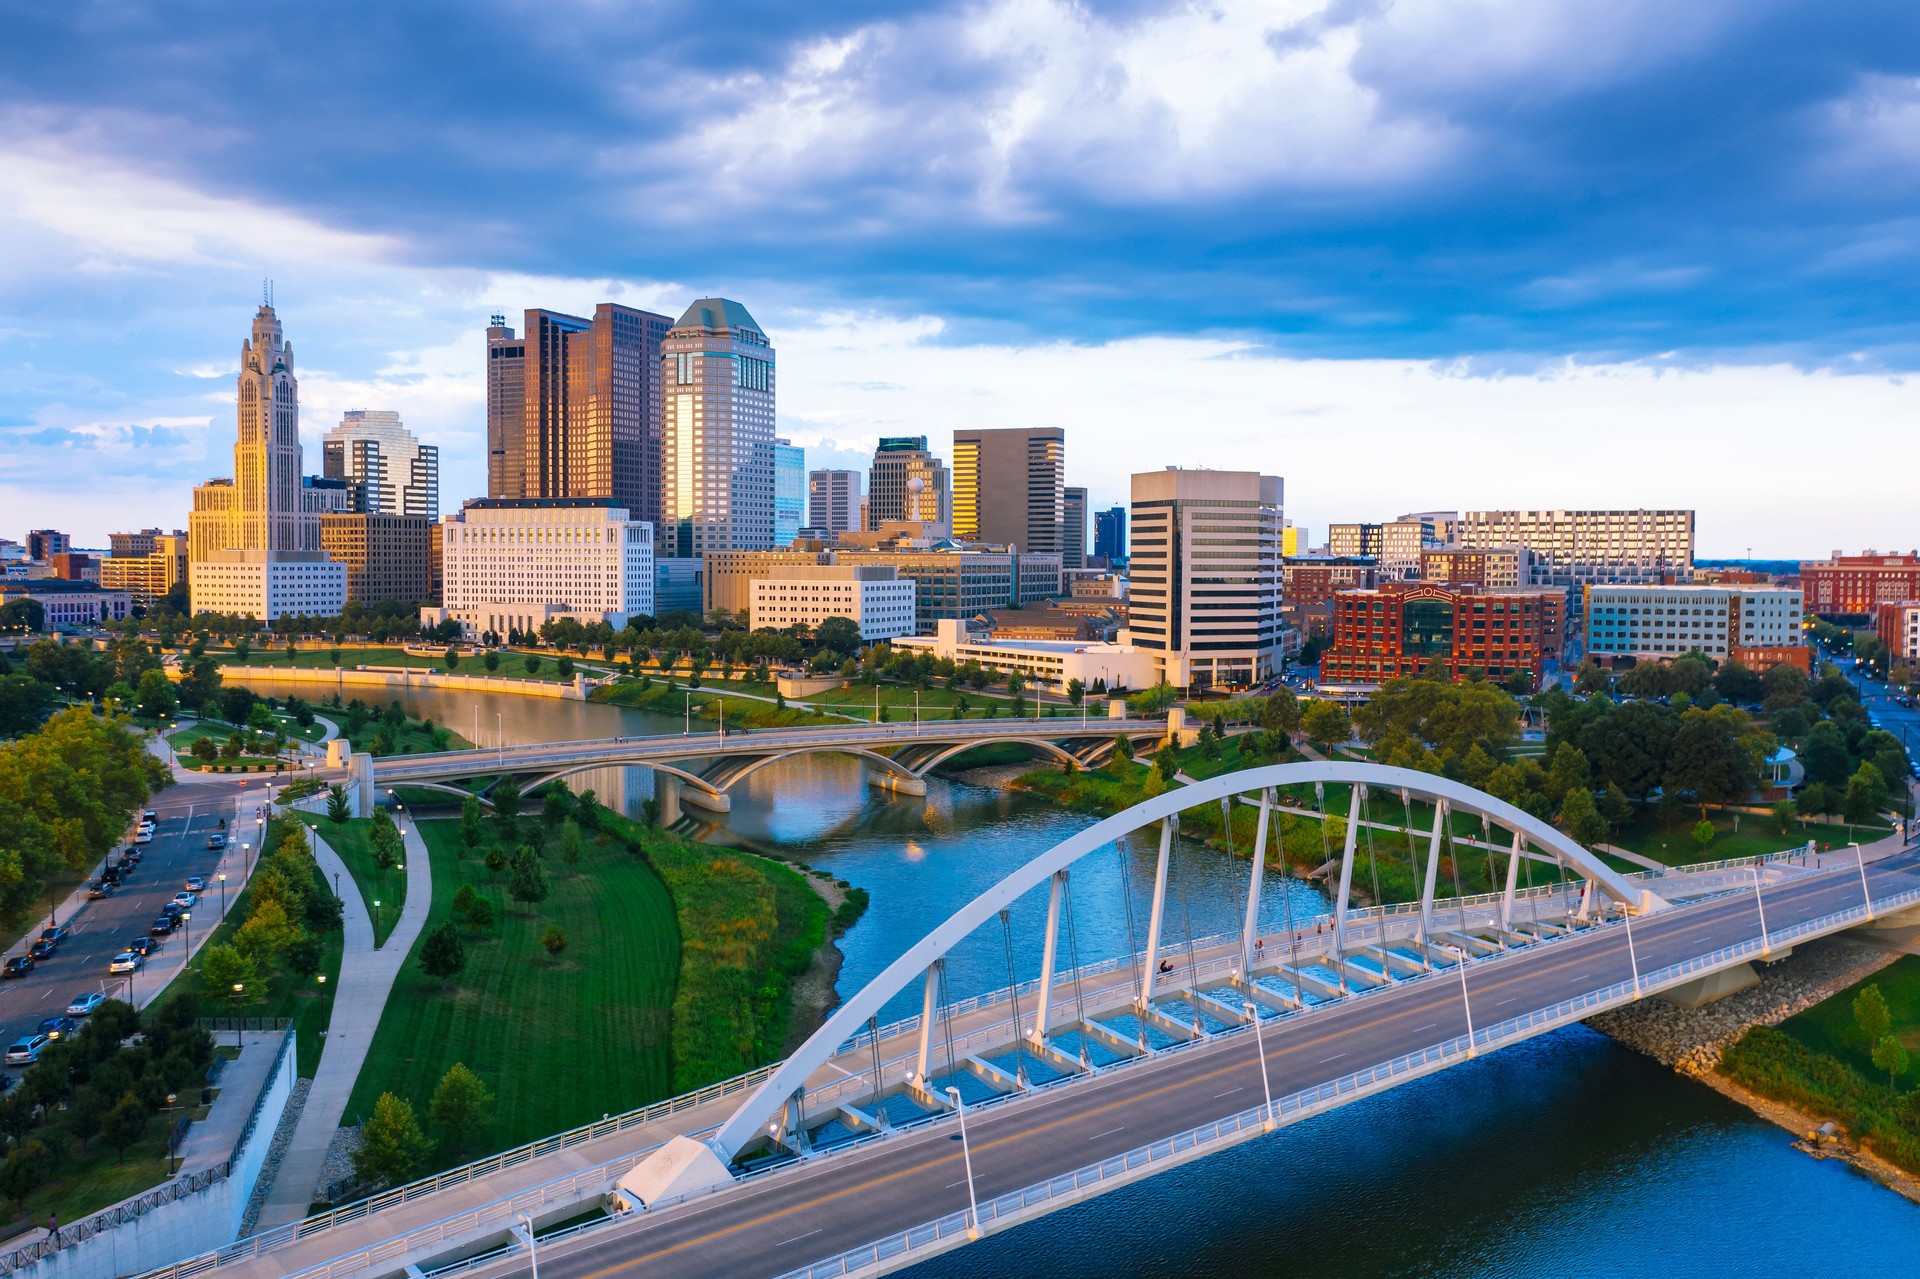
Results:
[1009, 488]
[574, 407]
[387, 556]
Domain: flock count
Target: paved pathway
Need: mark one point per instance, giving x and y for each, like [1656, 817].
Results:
[366, 978]
[241, 1079]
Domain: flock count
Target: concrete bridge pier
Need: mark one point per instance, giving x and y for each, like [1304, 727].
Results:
[707, 801]
[666, 793]
[360, 783]
[895, 783]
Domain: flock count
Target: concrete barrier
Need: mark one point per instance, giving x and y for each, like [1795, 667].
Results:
[402, 677]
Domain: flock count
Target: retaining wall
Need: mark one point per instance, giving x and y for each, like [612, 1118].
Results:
[410, 677]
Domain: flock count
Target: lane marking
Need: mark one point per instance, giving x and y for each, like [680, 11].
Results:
[1108, 1133]
[810, 1234]
[1335, 1057]
[1429, 1026]
[1503, 1001]
[1228, 1093]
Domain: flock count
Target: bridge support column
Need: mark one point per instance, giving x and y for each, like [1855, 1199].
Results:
[929, 1006]
[710, 801]
[1150, 976]
[360, 783]
[1513, 883]
[666, 792]
[896, 783]
[1354, 811]
[1049, 951]
[1433, 871]
[1251, 927]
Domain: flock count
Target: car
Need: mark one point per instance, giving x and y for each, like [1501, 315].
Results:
[196, 884]
[150, 815]
[162, 926]
[184, 900]
[84, 1004]
[173, 911]
[144, 837]
[17, 966]
[25, 1050]
[42, 951]
[55, 933]
[143, 945]
[58, 1027]
[216, 840]
[144, 828]
[126, 962]
[100, 888]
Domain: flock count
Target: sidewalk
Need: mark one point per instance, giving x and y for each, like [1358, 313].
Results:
[366, 979]
[241, 1079]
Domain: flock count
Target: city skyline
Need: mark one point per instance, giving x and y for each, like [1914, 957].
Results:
[1413, 253]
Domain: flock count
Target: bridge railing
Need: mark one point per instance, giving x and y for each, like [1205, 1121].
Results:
[1007, 1209]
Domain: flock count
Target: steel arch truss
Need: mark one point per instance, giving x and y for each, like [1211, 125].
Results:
[920, 963]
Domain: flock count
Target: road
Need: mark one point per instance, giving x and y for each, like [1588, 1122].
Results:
[1883, 706]
[846, 1201]
[188, 813]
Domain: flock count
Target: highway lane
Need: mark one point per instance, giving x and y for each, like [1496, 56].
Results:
[187, 814]
[853, 1199]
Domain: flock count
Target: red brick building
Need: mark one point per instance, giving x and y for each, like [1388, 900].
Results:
[1856, 585]
[1898, 626]
[1400, 627]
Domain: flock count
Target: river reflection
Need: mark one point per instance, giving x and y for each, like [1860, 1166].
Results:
[1563, 1156]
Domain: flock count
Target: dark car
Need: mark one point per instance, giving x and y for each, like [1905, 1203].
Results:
[142, 946]
[17, 966]
[42, 951]
[173, 910]
[162, 926]
[100, 888]
[58, 1027]
[55, 934]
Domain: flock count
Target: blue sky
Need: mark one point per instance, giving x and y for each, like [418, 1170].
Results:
[1408, 255]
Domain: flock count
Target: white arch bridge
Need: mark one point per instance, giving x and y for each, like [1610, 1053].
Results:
[705, 766]
[1098, 1075]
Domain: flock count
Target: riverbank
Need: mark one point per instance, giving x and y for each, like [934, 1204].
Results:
[1693, 1041]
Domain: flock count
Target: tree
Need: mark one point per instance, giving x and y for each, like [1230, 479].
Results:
[25, 1169]
[1708, 760]
[528, 881]
[532, 663]
[384, 839]
[572, 846]
[1627, 746]
[156, 698]
[1591, 678]
[1076, 690]
[586, 810]
[1582, 817]
[495, 861]
[1824, 754]
[223, 965]
[1891, 1056]
[461, 1106]
[1702, 832]
[554, 939]
[481, 914]
[338, 809]
[1616, 808]
[1122, 751]
[472, 832]
[204, 750]
[555, 804]
[1326, 723]
[392, 1147]
[1866, 794]
[506, 809]
[443, 955]
[1569, 771]
[491, 661]
[1871, 1014]
[126, 1122]
[1739, 683]
[1783, 815]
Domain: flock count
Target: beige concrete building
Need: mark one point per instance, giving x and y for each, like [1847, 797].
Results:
[1203, 582]
[514, 564]
[874, 598]
[1049, 664]
[1582, 548]
[146, 576]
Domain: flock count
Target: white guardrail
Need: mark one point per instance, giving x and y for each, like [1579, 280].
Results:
[1009, 1209]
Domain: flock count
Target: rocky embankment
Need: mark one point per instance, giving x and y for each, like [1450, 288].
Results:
[1691, 1039]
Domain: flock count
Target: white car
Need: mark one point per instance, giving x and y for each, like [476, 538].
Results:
[126, 962]
[144, 837]
[184, 900]
[83, 1005]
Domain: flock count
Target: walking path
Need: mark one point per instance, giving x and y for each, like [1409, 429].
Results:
[366, 979]
[240, 1082]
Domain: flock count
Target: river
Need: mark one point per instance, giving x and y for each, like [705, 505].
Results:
[1567, 1155]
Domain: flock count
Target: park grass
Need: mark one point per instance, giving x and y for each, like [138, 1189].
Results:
[352, 840]
[1672, 843]
[511, 666]
[559, 1043]
[89, 1180]
[665, 698]
[1828, 1027]
[308, 1002]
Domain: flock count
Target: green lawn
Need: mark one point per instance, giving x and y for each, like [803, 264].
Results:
[308, 1001]
[1673, 843]
[384, 892]
[1828, 1027]
[559, 1043]
[88, 1182]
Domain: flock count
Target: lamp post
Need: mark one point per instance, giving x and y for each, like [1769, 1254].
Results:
[173, 1160]
[239, 988]
[966, 1154]
[222, 877]
[186, 922]
[686, 728]
[533, 1253]
[1460, 963]
[1866, 896]
[246, 857]
[1260, 1047]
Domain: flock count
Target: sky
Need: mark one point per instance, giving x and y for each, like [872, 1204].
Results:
[1408, 254]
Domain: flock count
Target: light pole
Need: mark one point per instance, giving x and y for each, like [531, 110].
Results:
[1260, 1047]
[966, 1154]
[186, 922]
[222, 877]
[246, 856]
[686, 729]
[1861, 858]
[533, 1253]
[1460, 964]
[173, 1160]
[239, 988]
[500, 736]
[1760, 903]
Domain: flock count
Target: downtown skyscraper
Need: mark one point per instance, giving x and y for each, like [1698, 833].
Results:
[1009, 488]
[574, 407]
[717, 449]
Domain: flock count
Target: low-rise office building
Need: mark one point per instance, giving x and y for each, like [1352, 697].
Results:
[266, 585]
[1856, 585]
[388, 557]
[1400, 628]
[513, 564]
[1494, 567]
[676, 584]
[1049, 664]
[874, 598]
[950, 581]
[69, 605]
[1758, 626]
[146, 575]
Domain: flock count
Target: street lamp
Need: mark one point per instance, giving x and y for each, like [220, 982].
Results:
[238, 989]
[966, 1154]
[1260, 1046]
[173, 1154]
[686, 729]
[1759, 902]
[222, 877]
[533, 1254]
[186, 921]
[1460, 963]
